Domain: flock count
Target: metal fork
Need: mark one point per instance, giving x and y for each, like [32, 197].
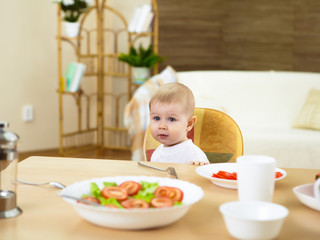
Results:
[81, 200]
[169, 170]
[54, 184]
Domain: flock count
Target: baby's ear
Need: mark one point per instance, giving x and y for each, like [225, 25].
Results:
[191, 122]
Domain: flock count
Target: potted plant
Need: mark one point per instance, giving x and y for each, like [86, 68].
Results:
[72, 10]
[141, 60]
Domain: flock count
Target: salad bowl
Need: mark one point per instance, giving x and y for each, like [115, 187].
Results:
[130, 219]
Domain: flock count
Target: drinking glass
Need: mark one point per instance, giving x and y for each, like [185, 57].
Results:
[256, 177]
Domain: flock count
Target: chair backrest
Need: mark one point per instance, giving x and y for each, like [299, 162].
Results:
[215, 132]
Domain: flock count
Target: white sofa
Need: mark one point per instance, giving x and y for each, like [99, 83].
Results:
[266, 105]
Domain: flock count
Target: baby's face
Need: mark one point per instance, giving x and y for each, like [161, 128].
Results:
[168, 123]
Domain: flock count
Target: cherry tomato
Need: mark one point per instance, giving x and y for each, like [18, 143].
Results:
[132, 187]
[134, 203]
[171, 192]
[91, 199]
[118, 193]
[162, 202]
[317, 176]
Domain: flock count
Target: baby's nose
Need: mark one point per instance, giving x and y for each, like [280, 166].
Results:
[162, 126]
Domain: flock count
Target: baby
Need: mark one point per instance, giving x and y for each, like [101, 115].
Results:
[171, 117]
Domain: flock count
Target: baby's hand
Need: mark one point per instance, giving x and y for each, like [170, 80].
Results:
[198, 163]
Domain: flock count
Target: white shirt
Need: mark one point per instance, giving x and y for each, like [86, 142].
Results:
[184, 152]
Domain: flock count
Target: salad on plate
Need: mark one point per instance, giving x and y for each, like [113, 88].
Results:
[133, 194]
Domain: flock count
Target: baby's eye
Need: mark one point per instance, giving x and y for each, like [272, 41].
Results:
[156, 118]
[171, 119]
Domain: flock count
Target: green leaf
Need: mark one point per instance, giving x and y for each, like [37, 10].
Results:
[141, 57]
[85, 195]
[110, 184]
[72, 12]
[113, 201]
[95, 190]
[148, 187]
[147, 190]
[146, 196]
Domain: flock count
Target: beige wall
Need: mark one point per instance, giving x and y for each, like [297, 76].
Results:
[28, 68]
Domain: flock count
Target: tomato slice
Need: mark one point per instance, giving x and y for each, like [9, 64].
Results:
[161, 202]
[134, 203]
[278, 174]
[219, 175]
[174, 193]
[215, 175]
[91, 199]
[118, 193]
[132, 187]
[162, 191]
[225, 175]
[111, 206]
[233, 175]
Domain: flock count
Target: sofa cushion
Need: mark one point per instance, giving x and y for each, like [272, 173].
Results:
[309, 116]
[292, 147]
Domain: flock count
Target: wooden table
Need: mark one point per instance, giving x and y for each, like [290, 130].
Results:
[47, 216]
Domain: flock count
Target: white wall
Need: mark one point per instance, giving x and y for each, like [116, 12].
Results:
[28, 69]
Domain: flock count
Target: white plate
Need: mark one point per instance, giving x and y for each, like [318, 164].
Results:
[133, 218]
[207, 171]
[305, 194]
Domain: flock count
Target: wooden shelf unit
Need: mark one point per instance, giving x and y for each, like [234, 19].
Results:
[99, 108]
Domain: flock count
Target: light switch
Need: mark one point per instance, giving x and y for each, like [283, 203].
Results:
[28, 112]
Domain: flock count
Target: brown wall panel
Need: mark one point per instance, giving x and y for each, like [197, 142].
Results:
[242, 35]
[190, 33]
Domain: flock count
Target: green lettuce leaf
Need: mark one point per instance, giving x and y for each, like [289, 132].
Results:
[147, 187]
[110, 184]
[112, 201]
[147, 190]
[95, 190]
[146, 196]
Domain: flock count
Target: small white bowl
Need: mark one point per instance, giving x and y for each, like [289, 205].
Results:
[253, 220]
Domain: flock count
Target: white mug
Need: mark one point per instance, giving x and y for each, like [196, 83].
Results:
[316, 190]
[255, 177]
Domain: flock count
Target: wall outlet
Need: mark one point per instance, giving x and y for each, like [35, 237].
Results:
[27, 113]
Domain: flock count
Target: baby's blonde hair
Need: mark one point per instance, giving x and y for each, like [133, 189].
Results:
[175, 93]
